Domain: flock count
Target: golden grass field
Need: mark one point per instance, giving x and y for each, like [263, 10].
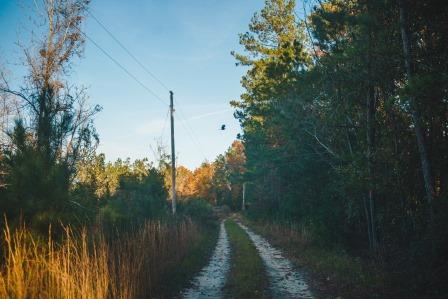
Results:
[83, 264]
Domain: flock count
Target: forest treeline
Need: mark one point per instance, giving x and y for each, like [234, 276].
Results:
[122, 191]
[219, 182]
[345, 128]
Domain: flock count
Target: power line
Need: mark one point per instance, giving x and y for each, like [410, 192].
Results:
[190, 132]
[127, 51]
[184, 123]
[164, 124]
[123, 68]
[116, 62]
[193, 140]
[138, 62]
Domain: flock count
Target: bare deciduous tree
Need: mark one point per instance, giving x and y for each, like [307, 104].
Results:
[56, 112]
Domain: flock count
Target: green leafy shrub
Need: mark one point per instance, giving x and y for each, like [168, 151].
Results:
[199, 211]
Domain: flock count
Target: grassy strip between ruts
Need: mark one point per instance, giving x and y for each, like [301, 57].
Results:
[247, 277]
[178, 276]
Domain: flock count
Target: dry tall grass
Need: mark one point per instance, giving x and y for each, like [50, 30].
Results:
[83, 266]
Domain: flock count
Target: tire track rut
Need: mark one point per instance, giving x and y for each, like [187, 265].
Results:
[285, 281]
[209, 283]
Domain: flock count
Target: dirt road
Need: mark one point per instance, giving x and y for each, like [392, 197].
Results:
[284, 280]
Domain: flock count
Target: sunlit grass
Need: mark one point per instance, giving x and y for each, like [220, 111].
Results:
[86, 265]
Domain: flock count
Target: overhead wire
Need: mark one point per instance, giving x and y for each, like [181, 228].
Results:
[190, 131]
[127, 51]
[114, 60]
[124, 69]
[185, 123]
[164, 123]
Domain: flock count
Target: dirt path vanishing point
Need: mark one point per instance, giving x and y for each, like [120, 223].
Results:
[209, 283]
[285, 281]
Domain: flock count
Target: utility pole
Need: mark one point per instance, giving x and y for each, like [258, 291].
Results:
[173, 158]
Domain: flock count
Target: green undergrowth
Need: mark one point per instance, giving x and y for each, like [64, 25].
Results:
[247, 277]
[341, 273]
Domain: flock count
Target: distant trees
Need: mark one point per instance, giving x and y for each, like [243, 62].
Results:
[344, 117]
[202, 183]
[219, 182]
[119, 193]
[184, 182]
[229, 176]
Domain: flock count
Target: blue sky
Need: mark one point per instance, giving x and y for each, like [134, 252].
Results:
[186, 44]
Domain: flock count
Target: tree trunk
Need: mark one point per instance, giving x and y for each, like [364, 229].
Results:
[370, 135]
[416, 117]
[370, 162]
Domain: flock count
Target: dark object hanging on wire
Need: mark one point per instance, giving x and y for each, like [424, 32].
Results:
[223, 127]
